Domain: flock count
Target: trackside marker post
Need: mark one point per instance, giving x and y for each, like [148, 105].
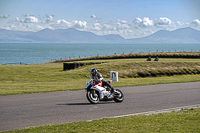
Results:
[114, 76]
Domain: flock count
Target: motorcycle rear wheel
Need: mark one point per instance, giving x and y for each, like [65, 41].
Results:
[119, 97]
[92, 96]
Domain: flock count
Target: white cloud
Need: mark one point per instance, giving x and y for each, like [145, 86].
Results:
[60, 24]
[62, 21]
[17, 19]
[122, 21]
[163, 21]
[140, 27]
[24, 27]
[138, 20]
[120, 27]
[93, 16]
[4, 16]
[97, 26]
[196, 22]
[178, 23]
[108, 27]
[63, 24]
[30, 19]
[79, 24]
[49, 18]
[145, 22]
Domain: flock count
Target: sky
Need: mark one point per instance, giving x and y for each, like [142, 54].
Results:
[128, 18]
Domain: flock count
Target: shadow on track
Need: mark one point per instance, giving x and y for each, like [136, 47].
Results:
[85, 103]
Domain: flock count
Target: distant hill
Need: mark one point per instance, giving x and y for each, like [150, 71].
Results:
[71, 35]
[14, 36]
[183, 35]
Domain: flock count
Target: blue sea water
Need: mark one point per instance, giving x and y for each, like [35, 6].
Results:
[41, 53]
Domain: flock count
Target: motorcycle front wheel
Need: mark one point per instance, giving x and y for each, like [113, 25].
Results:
[118, 96]
[92, 96]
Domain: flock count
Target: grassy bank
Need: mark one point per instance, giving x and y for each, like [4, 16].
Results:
[138, 55]
[186, 120]
[22, 79]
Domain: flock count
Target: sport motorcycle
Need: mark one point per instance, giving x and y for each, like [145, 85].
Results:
[96, 92]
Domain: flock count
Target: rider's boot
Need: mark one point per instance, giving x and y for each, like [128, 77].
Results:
[112, 90]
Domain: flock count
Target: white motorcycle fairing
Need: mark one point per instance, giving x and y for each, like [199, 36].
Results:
[95, 92]
[103, 93]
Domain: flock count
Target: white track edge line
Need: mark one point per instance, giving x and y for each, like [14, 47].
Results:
[156, 111]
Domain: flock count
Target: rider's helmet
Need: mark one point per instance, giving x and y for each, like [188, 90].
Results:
[93, 71]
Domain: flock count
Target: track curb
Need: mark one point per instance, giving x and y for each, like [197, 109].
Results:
[160, 111]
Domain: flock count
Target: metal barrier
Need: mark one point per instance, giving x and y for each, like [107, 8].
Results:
[69, 66]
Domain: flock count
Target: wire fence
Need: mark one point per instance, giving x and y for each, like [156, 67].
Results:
[149, 51]
[115, 53]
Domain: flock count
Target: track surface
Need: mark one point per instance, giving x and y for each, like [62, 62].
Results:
[20, 111]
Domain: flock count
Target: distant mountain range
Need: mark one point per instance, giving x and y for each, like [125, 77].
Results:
[183, 35]
[71, 35]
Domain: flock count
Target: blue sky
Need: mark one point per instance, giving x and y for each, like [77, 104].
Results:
[128, 18]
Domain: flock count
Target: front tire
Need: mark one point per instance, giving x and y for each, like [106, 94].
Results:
[92, 96]
[118, 96]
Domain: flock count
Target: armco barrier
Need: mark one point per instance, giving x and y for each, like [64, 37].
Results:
[69, 66]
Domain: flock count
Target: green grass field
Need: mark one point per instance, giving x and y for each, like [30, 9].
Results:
[22, 79]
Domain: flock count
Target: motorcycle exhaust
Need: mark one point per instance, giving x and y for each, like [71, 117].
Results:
[109, 98]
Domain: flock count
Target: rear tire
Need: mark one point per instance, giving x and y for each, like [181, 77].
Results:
[118, 97]
[92, 96]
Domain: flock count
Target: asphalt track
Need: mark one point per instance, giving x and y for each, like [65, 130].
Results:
[21, 111]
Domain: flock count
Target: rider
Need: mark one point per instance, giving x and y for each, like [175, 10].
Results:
[97, 77]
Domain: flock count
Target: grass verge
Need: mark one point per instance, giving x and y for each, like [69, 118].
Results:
[184, 121]
[22, 79]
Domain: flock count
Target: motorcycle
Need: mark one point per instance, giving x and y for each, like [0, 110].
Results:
[96, 92]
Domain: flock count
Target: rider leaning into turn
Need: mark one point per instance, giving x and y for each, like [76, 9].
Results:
[97, 77]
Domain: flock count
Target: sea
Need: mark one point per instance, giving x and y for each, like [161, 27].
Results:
[30, 53]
